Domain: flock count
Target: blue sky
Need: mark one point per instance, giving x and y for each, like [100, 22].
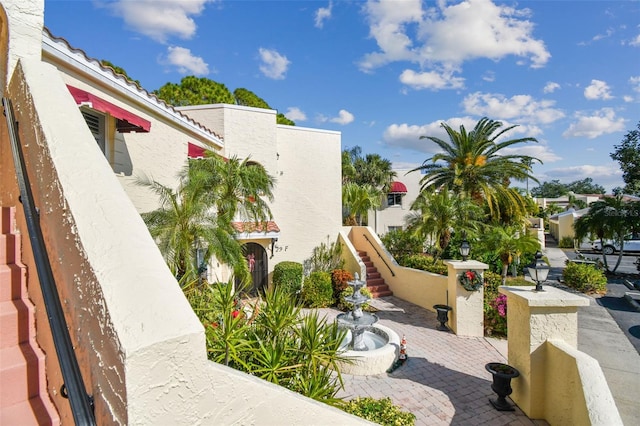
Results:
[386, 72]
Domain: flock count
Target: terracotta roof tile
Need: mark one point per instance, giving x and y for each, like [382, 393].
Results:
[250, 227]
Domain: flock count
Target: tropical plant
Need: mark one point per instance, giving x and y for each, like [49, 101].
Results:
[434, 216]
[475, 165]
[607, 218]
[357, 200]
[184, 223]
[401, 242]
[325, 257]
[508, 243]
[236, 188]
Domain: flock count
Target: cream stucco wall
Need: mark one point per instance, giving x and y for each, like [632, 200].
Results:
[391, 216]
[305, 163]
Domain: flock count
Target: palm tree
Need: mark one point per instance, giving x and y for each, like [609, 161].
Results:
[607, 218]
[357, 200]
[509, 243]
[434, 216]
[474, 165]
[238, 189]
[211, 193]
[182, 224]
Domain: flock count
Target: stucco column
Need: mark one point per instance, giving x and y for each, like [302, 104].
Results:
[467, 317]
[533, 317]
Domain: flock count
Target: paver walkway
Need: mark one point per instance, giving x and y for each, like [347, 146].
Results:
[443, 381]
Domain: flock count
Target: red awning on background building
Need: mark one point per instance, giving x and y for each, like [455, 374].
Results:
[127, 121]
[195, 151]
[397, 188]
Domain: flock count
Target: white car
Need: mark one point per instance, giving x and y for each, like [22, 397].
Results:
[631, 243]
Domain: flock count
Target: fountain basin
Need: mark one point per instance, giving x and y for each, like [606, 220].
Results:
[383, 348]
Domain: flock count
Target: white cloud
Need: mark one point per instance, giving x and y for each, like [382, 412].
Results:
[518, 108]
[344, 117]
[627, 98]
[186, 62]
[540, 151]
[322, 14]
[408, 136]
[274, 65]
[295, 114]
[551, 87]
[448, 35]
[591, 126]
[598, 89]
[489, 76]
[431, 80]
[609, 175]
[635, 41]
[160, 20]
[635, 83]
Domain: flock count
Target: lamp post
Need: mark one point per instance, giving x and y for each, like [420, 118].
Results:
[464, 249]
[538, 271]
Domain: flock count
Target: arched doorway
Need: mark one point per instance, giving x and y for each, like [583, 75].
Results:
[256, 257]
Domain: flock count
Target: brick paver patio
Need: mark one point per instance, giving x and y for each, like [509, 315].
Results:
[443, 381]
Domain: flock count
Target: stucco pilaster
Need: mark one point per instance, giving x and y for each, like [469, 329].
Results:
[467, 317]
[533, 318]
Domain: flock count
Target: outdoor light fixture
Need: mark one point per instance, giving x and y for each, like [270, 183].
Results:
[464, 249]
[273, 244]
[538, 271]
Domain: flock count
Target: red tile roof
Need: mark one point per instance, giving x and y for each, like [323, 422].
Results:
[251, 227]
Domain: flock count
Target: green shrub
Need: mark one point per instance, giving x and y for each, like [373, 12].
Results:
[566, 242]
[401, 243]
[425, 262]
[339, 280]
[343, 305]
[317, 291]
[585, 278]
[380, 411]
[288, 276]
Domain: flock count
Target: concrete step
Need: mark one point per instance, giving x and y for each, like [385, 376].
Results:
[26, 413]
[15, 323]
[375, 282]
[373, 275]
[19, 374]
[10, 282]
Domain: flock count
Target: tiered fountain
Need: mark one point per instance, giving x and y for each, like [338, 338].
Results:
[371, 348]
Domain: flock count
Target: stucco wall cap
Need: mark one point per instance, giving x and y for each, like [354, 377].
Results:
[551, 296]
[459, 265]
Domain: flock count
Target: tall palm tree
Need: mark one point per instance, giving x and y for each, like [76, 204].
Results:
[375, 171]
[473, 165]
[434, 216]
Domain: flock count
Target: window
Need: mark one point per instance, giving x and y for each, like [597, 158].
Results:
[394, 199]
[96, 123]
[394, 228]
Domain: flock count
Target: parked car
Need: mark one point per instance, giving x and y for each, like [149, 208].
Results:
[631, 244]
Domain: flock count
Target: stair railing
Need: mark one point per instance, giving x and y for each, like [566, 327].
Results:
[393, 274]
[73, 387]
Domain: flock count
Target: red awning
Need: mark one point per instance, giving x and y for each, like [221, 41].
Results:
[195, 151]
[127, 121]
[398, 188]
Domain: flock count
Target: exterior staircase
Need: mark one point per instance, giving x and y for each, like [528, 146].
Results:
[375, 283]
[23, 395]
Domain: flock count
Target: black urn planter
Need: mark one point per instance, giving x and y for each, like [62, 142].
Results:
[502, 375]
[443, 316]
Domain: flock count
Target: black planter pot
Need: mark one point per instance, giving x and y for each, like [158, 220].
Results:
[443, 316]
[502, 375]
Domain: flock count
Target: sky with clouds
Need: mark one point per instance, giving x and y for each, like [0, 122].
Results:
[385, 72]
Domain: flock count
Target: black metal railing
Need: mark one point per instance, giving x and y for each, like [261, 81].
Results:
[393, 274]
[73, 387]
